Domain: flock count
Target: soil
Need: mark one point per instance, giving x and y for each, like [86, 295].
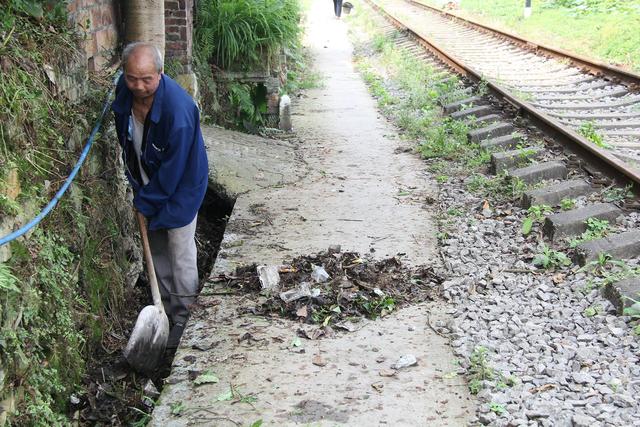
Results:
[114, 394]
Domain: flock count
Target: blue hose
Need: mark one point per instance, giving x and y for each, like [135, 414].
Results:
[8, 238]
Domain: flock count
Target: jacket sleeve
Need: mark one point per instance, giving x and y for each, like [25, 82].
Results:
[154, 196]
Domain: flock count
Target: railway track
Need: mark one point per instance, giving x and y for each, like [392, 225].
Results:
[565, 93]
[561, 99]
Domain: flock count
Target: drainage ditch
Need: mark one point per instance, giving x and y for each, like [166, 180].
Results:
[115, 395]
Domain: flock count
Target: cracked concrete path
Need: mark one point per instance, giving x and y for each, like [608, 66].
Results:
[351, 182]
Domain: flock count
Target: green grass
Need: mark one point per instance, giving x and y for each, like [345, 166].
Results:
[244, 34]
[602, 29]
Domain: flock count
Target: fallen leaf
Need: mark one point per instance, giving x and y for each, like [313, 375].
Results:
[558, 278]
[227, 395]
[207, 377]
[485, 205]
[318, 361]
[542, 388]
[177, 408]
[302, 311]
[378, 387]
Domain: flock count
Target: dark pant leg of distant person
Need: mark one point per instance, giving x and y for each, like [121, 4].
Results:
[337, 6]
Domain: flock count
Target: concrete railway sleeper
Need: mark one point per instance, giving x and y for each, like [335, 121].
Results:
[573, 196]
[589, 103]
[550, 180]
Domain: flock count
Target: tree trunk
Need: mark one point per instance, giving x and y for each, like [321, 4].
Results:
[144, 22]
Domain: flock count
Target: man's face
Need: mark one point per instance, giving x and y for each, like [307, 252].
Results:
[140, 75]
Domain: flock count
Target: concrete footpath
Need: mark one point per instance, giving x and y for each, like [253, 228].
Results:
[350, 181]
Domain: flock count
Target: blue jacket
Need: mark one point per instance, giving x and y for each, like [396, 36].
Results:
[173, 155]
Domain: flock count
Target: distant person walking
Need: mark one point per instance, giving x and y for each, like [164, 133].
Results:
[337, 7]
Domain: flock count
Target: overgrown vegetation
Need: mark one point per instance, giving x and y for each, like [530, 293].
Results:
[248, 36]
[63, 282]
[245, 34]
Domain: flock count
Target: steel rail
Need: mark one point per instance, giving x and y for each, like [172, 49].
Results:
[592, 66]
[524, 107]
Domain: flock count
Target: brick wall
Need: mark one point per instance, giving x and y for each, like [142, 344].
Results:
[178, 21]
[99, 21]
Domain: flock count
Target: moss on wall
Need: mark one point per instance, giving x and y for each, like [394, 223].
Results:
[63, 285]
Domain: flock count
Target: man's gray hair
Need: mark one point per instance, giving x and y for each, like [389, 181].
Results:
[131, 47]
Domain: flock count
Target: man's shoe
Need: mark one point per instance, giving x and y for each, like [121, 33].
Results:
[175, 335]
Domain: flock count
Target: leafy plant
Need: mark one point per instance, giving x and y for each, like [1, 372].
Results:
[7, 280]
[596, 229]
[604, 262]
[549, 258]
[592, 311]
[497, 408]
[249, 102]
[616, 194]
[567, 204]
[241, 34]
[479, 369]
[177, 408]
[588, 130]
[536, 213]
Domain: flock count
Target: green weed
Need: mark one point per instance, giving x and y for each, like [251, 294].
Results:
[536, 213]
[617, 194]
[567, 204]
[244, 34]
[596, 229]
[550, 259]
[588, 130]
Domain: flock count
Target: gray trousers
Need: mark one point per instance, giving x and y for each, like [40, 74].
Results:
[175, 259]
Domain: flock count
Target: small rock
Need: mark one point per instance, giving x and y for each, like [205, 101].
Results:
[583, 421]
[405, 361]
[583, 378]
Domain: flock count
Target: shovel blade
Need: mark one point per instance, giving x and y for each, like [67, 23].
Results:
[148, 340]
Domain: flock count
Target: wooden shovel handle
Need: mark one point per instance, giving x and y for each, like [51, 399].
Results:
[151, 271]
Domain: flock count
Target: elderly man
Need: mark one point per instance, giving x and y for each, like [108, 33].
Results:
[158, 127]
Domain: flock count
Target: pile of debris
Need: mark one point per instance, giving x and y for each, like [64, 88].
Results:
[331, 287]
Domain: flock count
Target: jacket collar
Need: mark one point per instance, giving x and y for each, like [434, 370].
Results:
[124, 100]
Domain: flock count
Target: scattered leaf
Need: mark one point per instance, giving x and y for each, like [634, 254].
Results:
[225, 396]
[527, 224]
[387, 372]
[302, 311]
[558, 278]
[177, 408]
[207, 377]
[378, 387]
[318, 361]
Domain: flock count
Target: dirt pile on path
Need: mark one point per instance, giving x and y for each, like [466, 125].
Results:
[333, 288]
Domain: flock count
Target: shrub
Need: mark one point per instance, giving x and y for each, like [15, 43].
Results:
[240, 34]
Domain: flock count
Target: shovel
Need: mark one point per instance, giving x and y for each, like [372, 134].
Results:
[149, 336]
